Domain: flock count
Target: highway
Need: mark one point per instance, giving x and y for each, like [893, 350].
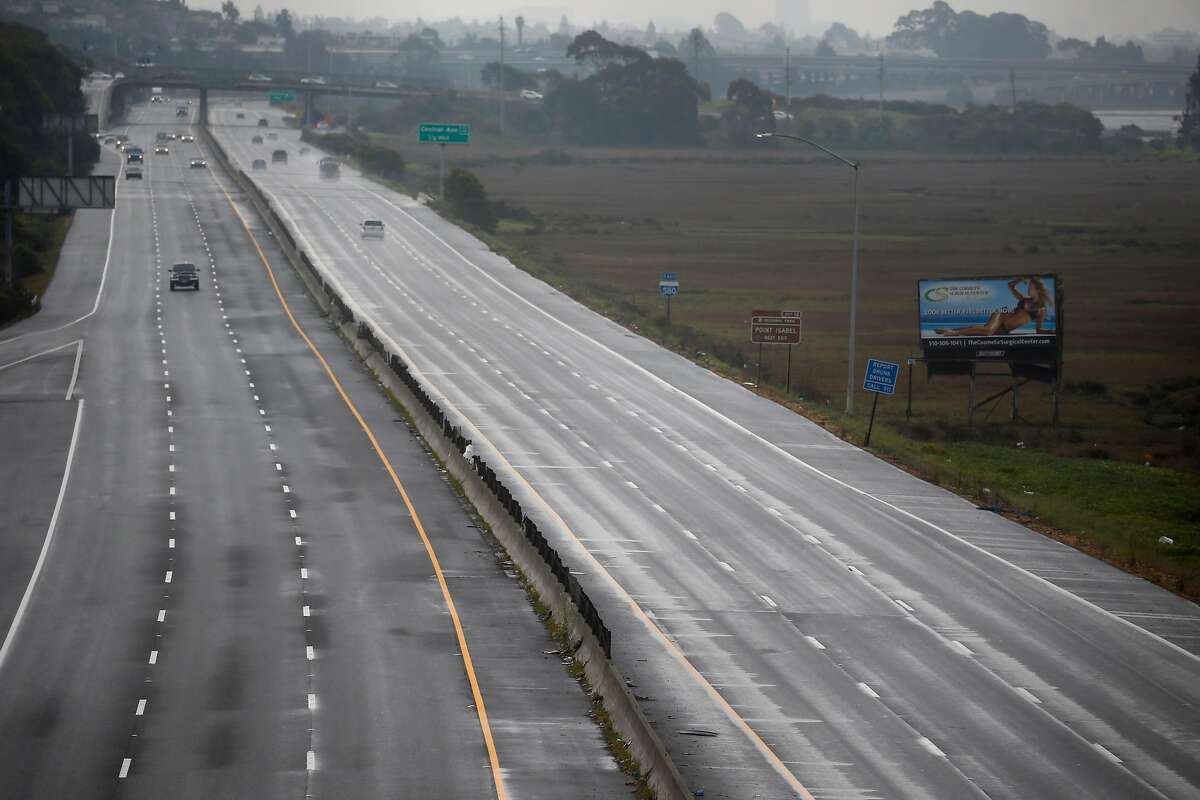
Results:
[211, 583]
[833, 627]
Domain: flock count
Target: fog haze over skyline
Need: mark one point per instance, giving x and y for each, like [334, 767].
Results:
[1083, 18]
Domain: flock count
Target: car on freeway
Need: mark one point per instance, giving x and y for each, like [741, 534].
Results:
[198, 163]
[279, 157]
[259, 164]
[322, 125]
[161, 136]
[184, 275]
[329, 167]
[258, 77]
[530, 94]
[313, 79]
[186, 137]
[262, 122]
[118, 76]
[133, 173]
[181, 111]
[385, 85]
[781, 115]
[274, 137]
[256, 140]
[372, 228]
[161, 150]
[156, 99]
[133, 157]
[110, 139]
[241, 115]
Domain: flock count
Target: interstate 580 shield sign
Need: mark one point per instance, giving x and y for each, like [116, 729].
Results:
[1011, 318]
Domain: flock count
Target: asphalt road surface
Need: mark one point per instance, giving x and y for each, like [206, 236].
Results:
[210, 584]
[843, 629]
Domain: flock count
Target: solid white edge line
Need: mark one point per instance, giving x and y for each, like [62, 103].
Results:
[738, 426]
[99, 290]
[75, 371]
[18, 617]
[931, 747]
[39, 354]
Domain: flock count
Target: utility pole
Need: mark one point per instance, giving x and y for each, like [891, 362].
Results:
[1012, 82]
[787, 74]
[502, 76]
[881, 90]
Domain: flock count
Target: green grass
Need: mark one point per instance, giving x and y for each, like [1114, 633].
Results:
[1117, 510]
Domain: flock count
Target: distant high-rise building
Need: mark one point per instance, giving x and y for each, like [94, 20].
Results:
[794, 16]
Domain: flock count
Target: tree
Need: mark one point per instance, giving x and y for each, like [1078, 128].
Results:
[594, 48]
[969, 35]
[468, 199]
[513, 77]
[632, 99]
[751, 113]
[283, 24]
[727, 24]
[1189, 128]
[308, 50]
[230, 12]
[1102, 51]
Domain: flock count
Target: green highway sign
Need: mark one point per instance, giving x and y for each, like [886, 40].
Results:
[444, 133]
[281, 97]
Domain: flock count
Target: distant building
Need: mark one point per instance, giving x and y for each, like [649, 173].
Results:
[794, 16]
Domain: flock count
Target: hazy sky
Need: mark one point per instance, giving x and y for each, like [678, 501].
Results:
[1088, 18]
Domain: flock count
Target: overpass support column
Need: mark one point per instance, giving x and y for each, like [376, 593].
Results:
[308, 109]
[204, 106]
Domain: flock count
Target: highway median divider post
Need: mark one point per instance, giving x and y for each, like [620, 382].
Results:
[524, 543]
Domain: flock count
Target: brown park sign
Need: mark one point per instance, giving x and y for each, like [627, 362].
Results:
[775, 327]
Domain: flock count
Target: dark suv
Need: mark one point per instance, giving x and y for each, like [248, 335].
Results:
[185, 275]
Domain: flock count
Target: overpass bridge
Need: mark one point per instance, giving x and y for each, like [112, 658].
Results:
[203, 81]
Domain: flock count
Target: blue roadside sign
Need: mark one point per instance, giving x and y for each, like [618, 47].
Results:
[881, 376]
[668, 285]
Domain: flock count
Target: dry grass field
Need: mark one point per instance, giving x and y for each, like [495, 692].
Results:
[772, 229]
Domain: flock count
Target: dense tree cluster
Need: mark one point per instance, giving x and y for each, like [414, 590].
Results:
[1189, 128]
[630, 98]
[951, 34]
[749, 113]
[1102, 51]
[36, 80]
[513, 77]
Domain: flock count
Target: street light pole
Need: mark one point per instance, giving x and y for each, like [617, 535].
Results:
[853, 264]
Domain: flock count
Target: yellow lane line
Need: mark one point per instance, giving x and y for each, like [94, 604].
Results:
[480, 708]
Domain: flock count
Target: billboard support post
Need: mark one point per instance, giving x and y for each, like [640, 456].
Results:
[6, 278]
[788, 387]
[758, 380]
[908, 408]
[971, 395]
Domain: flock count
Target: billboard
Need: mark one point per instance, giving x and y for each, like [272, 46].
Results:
[1014, 318]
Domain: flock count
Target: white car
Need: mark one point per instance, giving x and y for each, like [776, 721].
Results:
[258, 77]
[118, 76]
[372, 228]
[187, 137]
[529, 94]
[316, 79]
[385, 85]
[781, 115]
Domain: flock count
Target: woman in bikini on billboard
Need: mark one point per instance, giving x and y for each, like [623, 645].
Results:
[1029, 308]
